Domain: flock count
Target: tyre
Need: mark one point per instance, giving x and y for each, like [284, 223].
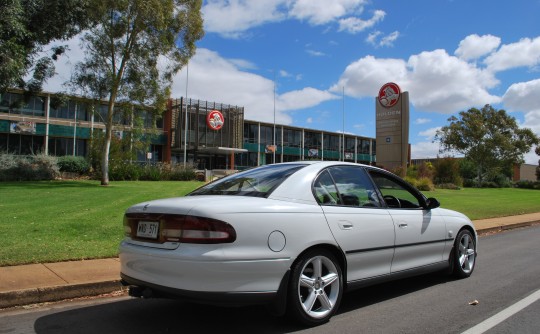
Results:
[315, 288]
[464, 254]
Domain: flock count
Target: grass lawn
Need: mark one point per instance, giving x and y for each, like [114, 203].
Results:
[479, 203]
[73, 220]
[69, 220]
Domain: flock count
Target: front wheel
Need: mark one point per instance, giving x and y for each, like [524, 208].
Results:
[316, 287]
[464, 254]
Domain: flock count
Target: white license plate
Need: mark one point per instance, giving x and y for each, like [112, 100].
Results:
[147, 229]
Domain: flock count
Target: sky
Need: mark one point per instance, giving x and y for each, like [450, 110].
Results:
[320, 64]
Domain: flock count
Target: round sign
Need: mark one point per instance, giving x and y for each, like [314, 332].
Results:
[389, 94]
[215, 120]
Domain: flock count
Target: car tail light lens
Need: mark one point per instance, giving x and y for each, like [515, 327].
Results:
[179, 228]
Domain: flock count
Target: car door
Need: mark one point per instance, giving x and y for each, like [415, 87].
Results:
[360, 224]
[420, 234]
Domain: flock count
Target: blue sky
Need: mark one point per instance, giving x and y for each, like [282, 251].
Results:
[328, 58]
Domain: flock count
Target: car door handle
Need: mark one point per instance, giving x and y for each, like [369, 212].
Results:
[345, 225]
[403, 225]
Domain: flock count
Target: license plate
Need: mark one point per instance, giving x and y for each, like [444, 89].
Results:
[147, 229]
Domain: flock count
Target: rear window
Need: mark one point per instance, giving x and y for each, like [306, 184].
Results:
[257, 182]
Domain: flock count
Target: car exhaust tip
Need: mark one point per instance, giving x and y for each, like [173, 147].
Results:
[140, 292]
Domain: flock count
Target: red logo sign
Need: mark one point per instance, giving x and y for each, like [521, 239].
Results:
[389, 94]
[215, 120]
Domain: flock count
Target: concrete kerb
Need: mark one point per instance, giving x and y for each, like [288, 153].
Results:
[57, 293]
[501, 228]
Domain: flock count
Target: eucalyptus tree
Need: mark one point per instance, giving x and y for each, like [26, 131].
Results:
[490, 138]
[26, 27]
[133, 53]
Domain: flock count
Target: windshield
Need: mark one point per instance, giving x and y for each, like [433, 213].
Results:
[257, 182]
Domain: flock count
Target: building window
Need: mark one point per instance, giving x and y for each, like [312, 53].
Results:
[292, 138]
[312, 140]
[21, 144]
[14, 103]
[64, 146]
[331, 142]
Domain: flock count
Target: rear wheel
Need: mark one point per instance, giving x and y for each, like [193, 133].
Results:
[464, 254]
[315, 288]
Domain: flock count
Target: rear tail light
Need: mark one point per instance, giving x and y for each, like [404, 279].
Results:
[185, 229]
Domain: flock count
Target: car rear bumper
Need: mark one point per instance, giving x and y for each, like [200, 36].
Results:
[148, 290]
[207, 275]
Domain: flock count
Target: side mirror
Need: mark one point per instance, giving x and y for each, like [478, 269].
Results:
[432, 203]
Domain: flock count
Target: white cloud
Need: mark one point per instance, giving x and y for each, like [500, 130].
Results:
[355, 25]
[364, 77]
[531, 158]
[420, 121]
[372, 37]
[233, 18]
[429, 133]
[316, 53]
[318, 12]
[424, 150]
[390, 39]
[526, 52]
[304, 98]
[437, 82]
[309, 120]
[524, 97]
[65, 64]
[474, 46]
[213, 78]
[446, 84]
[387, 40]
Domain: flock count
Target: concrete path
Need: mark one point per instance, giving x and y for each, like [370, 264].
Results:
[47, 282]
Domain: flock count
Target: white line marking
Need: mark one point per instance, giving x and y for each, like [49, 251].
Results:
[503, 315]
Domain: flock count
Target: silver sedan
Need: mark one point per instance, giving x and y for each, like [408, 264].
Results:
[293, 236]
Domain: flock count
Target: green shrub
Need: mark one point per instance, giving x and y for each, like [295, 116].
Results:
[181, 173]
[126, 171]
[422, 184]
[73, 164]
[28, 168]
[450, 186]
[425, 184]
[448, 171]
[528, 185]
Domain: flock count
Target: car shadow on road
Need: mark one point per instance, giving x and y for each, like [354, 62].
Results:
[171, 316]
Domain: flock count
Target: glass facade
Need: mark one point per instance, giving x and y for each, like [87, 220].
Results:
[294, 144]
[40, 124]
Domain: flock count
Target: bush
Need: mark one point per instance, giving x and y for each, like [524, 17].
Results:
[126, 171]
[181, 173]
[528, 185]
[448, 171]
[422, 184]
[71, 164]
[28, 168]
[450, 186]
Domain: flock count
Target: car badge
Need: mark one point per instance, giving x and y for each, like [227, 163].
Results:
[145, 207]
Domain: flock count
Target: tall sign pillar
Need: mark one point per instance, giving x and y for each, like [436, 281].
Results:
[392, 128]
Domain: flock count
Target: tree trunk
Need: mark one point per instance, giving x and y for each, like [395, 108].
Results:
[479, 175]
[105, 156]
[108, 139]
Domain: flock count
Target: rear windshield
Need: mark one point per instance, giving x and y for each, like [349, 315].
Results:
[257, 182]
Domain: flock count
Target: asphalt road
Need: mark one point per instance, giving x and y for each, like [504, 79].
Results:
[507, 271]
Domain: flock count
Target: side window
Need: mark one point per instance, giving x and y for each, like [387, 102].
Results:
[346, 185]
[394, 193]
[325, 190]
